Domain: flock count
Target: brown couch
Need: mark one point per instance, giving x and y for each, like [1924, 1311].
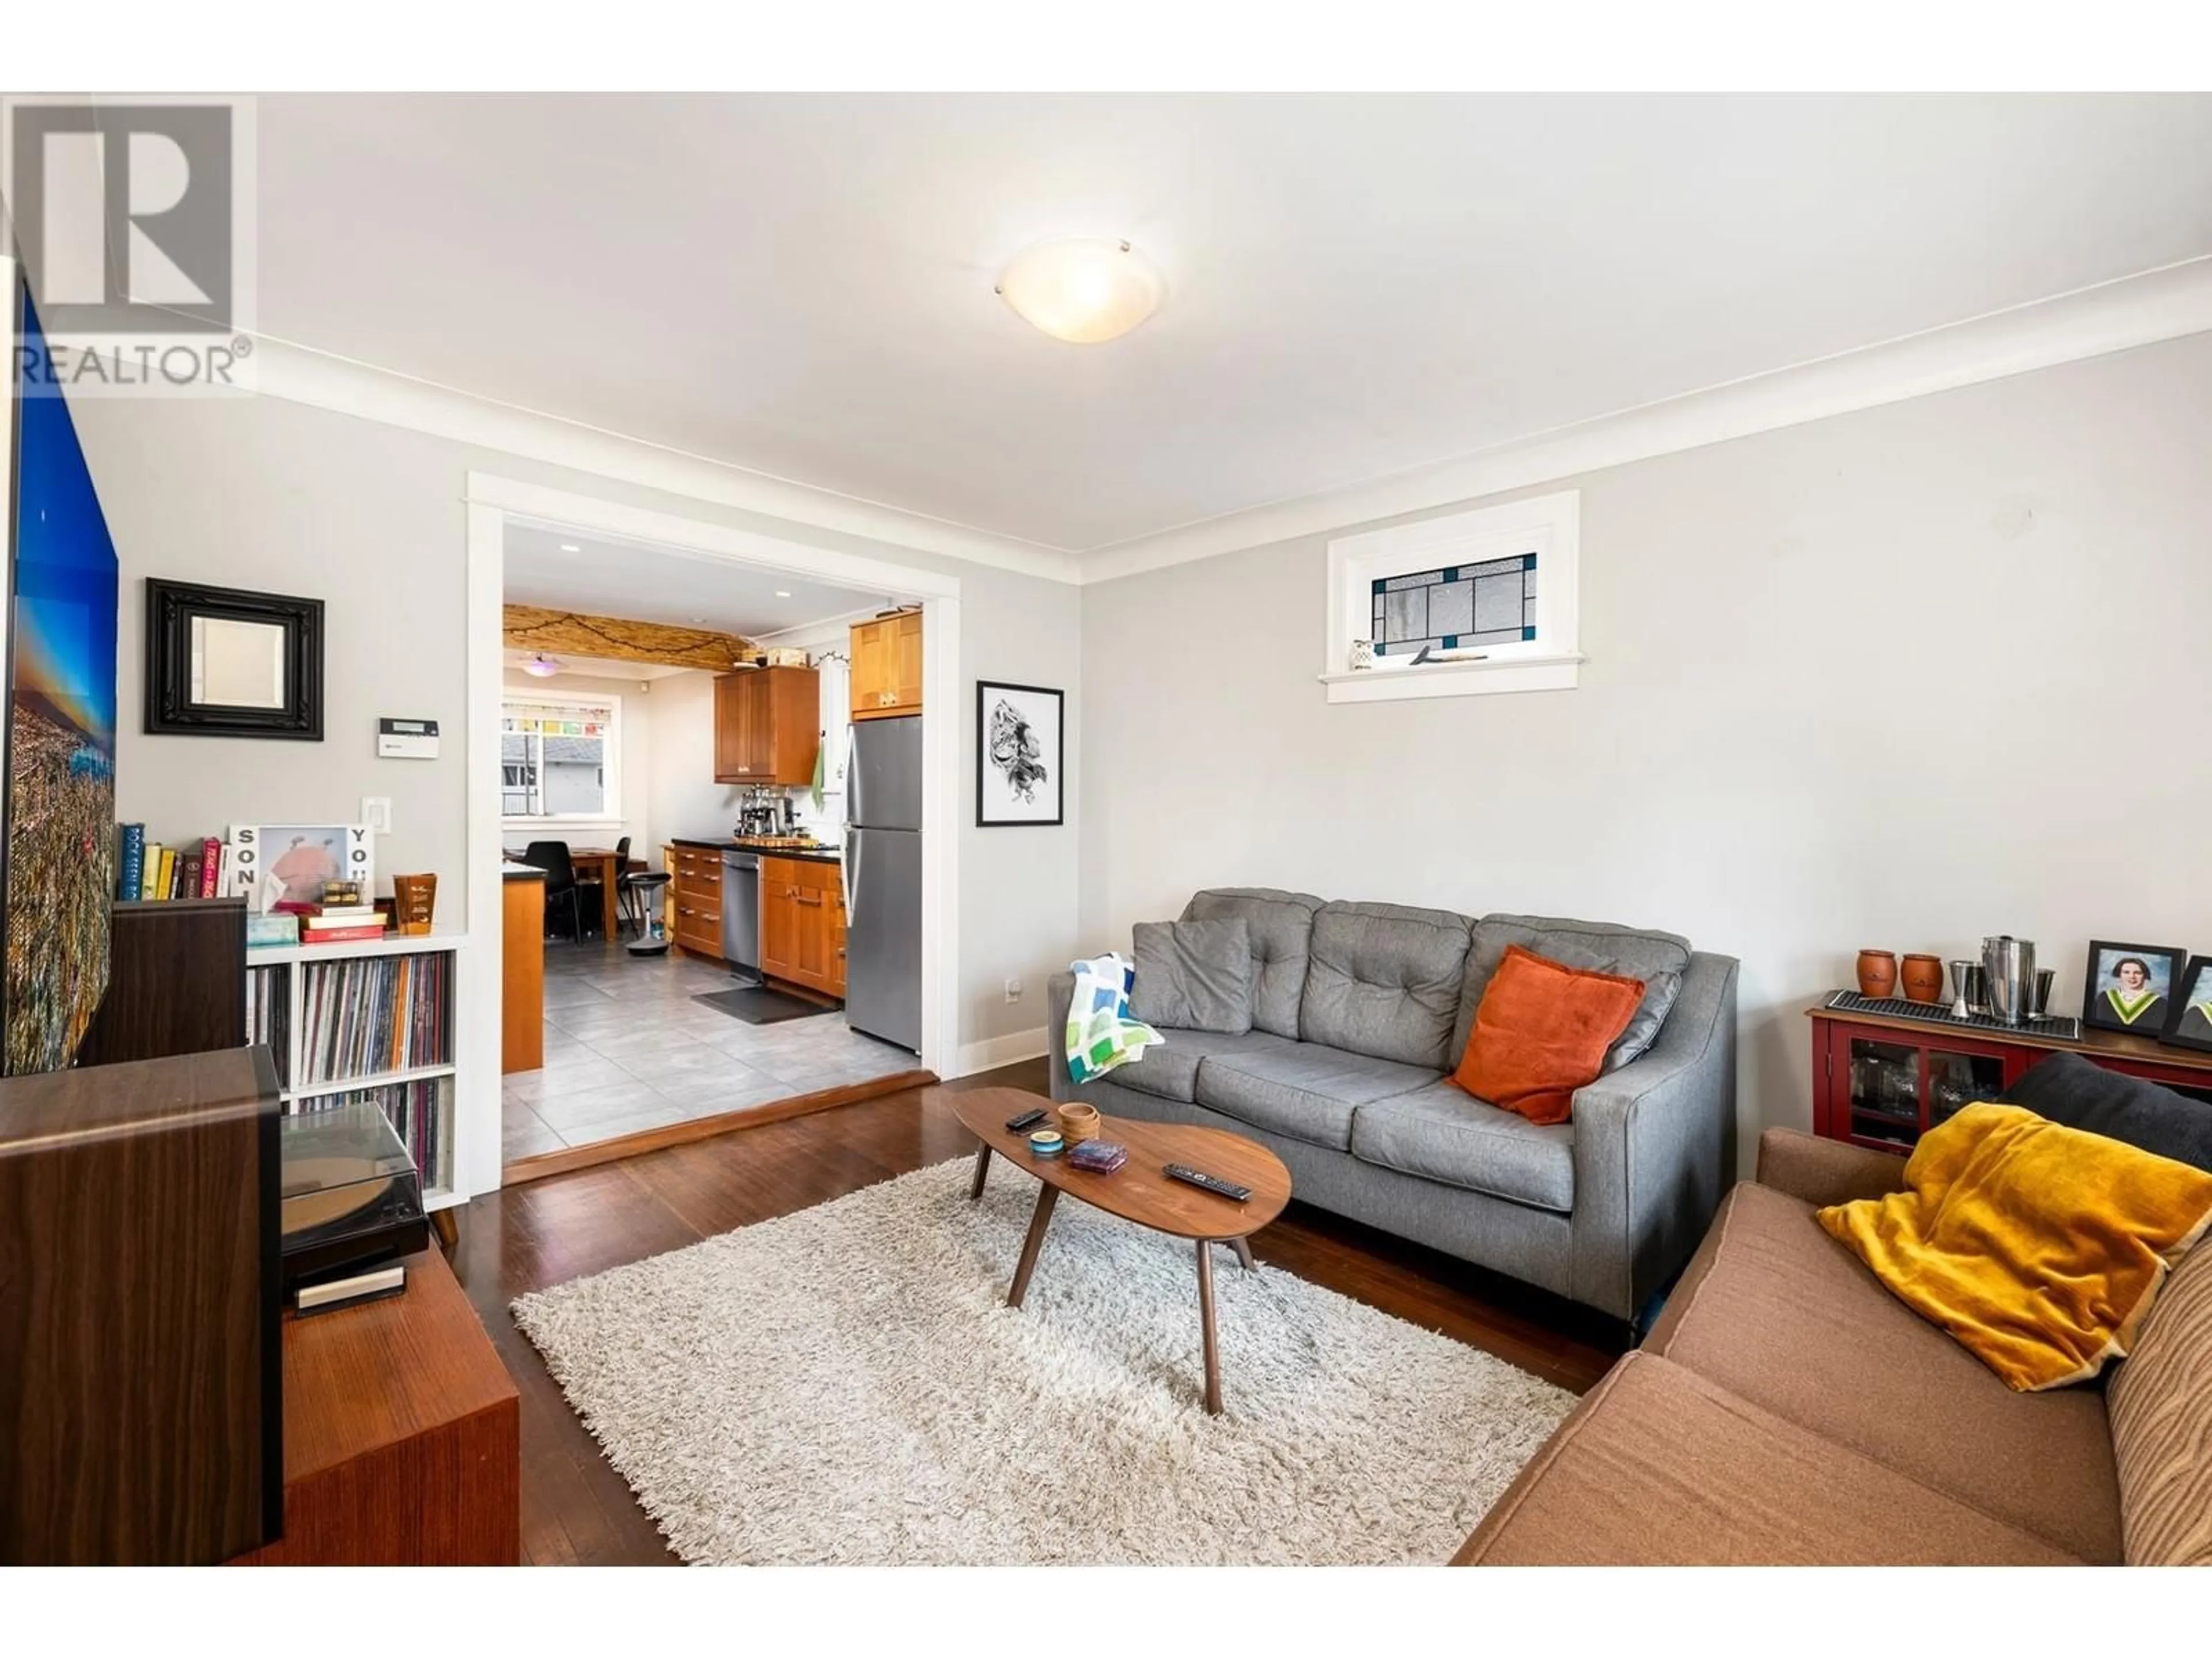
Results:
[1786, 1408]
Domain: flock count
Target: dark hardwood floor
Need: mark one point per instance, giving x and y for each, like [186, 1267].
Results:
[576, 1509]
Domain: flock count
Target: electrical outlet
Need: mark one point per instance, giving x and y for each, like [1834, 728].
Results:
[1013, 988]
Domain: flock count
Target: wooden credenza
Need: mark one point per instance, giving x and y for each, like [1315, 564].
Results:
[1884, 1082]
[803, 923]
[402, 1435]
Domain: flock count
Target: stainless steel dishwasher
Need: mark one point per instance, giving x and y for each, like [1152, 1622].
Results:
[741, 912]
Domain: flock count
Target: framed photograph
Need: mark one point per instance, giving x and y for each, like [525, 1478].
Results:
[2189, 1025]
[1021, 735]
[222, 662]
[2130, 987]
[287, 864]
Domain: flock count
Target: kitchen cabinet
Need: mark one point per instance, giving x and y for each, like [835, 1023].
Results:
[803, 923]
[768, 725]
[694, 899]
[887, 666]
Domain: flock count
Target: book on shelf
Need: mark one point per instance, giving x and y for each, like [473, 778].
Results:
[210, 866]
[130, 859]
[343, 915]
[149, 869]
[341, 935]
[187, 885]
[165, 884]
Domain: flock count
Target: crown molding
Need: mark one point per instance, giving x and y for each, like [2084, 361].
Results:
[2159, 305]
[301, 375]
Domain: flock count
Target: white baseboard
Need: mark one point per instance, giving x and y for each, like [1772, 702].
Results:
[994, 1052]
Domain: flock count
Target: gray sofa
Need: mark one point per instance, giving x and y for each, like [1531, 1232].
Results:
[1359, 1010]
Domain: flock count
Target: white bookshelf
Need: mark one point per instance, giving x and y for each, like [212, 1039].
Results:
[431, 1088]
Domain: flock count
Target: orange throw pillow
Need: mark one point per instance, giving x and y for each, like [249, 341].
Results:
[1540, 1033]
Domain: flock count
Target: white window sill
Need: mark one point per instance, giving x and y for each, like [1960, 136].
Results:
[1455, 679]
[558, 827]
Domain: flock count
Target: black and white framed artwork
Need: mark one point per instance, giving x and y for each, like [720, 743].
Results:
[1021, 775]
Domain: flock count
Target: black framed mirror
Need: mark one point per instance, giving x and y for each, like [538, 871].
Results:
[222, 662]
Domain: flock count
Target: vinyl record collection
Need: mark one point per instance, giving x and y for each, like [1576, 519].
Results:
[371, 1015]
[268, 1017]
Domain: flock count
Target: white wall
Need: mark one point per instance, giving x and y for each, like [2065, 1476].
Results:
[367, 520]
[370, 517]
[634, 817]
[683, 796]
[1899, 678]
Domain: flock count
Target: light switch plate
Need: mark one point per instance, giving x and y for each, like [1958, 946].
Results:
[376, 813]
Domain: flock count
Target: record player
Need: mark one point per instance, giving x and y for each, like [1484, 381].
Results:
[350, 1201]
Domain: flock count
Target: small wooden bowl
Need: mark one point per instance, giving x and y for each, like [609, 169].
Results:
[1077, 1122]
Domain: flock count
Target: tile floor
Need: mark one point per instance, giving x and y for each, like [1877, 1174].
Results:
[626, 1050]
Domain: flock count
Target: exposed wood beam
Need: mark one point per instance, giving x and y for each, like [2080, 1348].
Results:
[529, 628]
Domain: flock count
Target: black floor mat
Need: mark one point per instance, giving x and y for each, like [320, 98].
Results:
[756, 1007]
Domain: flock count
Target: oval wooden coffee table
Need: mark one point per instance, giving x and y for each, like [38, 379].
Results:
[1138, 1191]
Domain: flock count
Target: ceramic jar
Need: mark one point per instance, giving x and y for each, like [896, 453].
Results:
[1877, 972]
[1923, 978]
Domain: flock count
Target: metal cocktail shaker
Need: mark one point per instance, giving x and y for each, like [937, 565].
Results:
[2009, 977]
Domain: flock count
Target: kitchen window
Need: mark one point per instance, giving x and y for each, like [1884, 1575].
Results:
[559, 761]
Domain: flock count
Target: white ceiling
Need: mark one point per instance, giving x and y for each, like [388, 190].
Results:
[1358, 284]
[605, 577]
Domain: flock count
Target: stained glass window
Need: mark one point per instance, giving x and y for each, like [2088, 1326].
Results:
[1457, 606]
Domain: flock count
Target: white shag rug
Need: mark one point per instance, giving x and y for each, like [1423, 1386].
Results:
[846, 1384]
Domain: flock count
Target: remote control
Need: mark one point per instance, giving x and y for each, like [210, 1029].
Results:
[1016, 1125]
[1211, 1183]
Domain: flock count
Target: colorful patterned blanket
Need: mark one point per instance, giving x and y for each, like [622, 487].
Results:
[1101, 1036]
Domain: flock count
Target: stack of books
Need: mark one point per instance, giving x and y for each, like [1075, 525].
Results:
[340, 924]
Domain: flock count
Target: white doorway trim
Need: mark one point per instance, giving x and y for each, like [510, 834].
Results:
[493, 501]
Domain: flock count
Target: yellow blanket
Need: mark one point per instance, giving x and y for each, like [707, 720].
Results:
[2038, 1247]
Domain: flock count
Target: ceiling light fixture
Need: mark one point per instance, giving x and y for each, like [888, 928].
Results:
[541, 664]
[570, 547]
[783, 593]
[1083, 289]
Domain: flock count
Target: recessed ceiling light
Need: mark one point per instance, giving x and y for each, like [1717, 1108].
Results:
[570, 547]
[1084, 289]
[783, 593]
[698, 619]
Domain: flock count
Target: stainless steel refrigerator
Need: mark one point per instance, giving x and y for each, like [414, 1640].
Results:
[883, 881]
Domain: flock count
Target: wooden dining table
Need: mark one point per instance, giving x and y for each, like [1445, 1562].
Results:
[596, 864]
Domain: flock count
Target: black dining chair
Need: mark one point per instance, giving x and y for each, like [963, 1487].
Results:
[552, 857]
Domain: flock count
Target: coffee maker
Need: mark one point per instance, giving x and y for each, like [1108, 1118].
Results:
[766, 811]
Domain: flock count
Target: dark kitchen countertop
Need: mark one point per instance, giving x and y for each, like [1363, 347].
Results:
[810, 854]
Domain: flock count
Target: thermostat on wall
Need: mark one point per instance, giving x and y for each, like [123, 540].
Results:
[407, 739]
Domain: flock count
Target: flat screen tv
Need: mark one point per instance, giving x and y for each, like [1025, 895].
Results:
[58, 871]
